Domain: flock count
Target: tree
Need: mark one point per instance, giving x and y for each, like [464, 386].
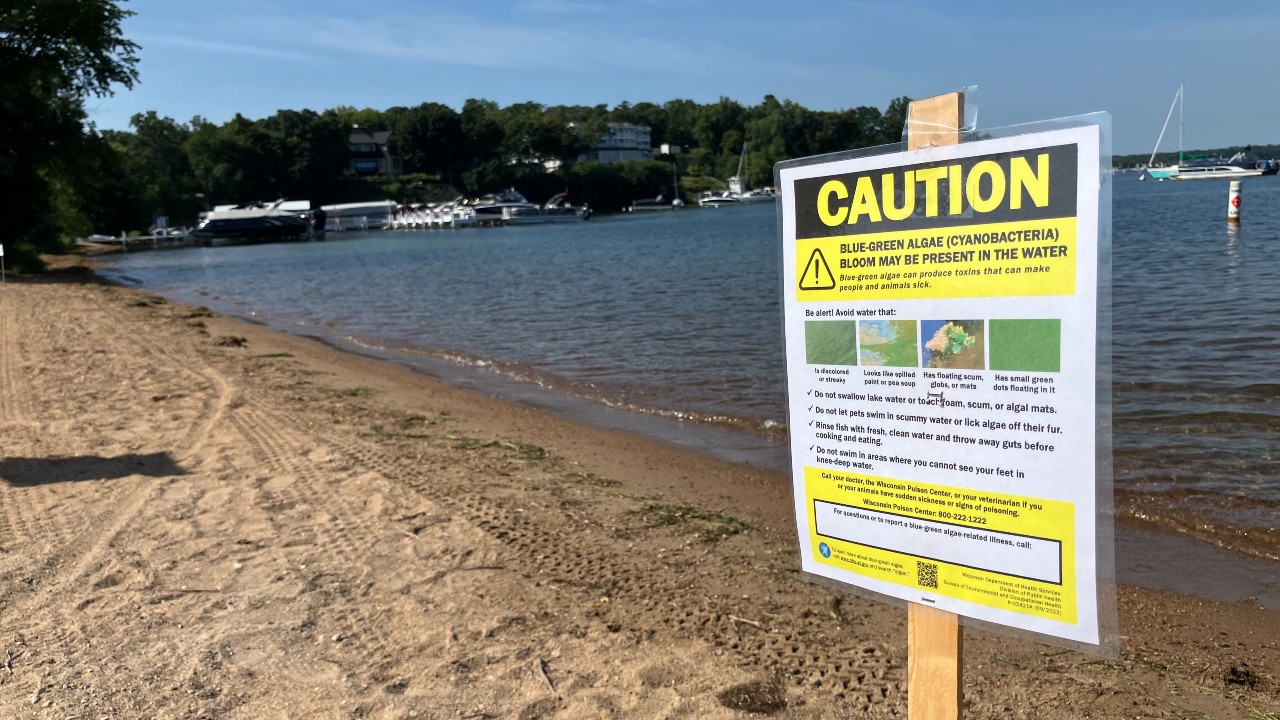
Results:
[230, 162]
[430, 138]
[893, 121]
[571, 131]
[156, 159]
[482, 139]
[644, 114]
[713, 121]
[215, 162]
[163, 167]
[54, 54]
[682, 116]
[305, 153]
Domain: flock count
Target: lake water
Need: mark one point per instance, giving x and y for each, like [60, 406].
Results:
[673, 319]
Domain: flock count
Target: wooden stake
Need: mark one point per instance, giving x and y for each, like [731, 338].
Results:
[935, 645]
[935, 640]
[935, 121]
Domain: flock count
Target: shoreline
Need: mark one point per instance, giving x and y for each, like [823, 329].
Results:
[1144, 550]
[1202, 540]
[255, 513]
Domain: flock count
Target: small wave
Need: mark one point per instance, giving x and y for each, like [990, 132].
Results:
[1207, 420]
[615, 397]
[1266, 390]
[1238, 523]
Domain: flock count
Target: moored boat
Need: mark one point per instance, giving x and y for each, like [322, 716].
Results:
[758, 195]
[1237, 166]
[360, 216]
[721, 199]
[255, 222]
[492, 209]
[557, 209]
[738, 184]
[658, 203]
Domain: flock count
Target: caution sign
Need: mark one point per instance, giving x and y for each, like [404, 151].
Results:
[941, 322]
[998, 224]
[817, 274]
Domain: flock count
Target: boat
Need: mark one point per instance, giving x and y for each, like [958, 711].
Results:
[557, 209]
[1202, 168]
[492, 208]
[458, 216]
[360, 216]
[255, 222]
[765, 194]
[660, 202]
[1237, 166]
[721, 199]
[738, 183]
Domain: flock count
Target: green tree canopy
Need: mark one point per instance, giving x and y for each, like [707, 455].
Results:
[54, 54]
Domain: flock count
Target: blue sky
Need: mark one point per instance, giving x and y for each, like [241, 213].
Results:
[1031, 60]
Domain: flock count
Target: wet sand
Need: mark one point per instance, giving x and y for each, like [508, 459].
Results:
[205, 518]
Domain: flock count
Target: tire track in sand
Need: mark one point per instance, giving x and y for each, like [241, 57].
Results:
[339, 515]
[107, 507]
[548, 542]
[26, 526]
[13, 406]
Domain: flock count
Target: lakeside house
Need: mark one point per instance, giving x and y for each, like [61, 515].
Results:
[622, 141]
[373, 153]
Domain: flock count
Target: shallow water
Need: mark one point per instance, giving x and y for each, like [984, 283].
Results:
[676, 315]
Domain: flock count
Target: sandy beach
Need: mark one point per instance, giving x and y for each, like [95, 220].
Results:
[204, 518]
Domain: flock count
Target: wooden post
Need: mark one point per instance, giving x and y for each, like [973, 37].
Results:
[935, 640]
[935, 650]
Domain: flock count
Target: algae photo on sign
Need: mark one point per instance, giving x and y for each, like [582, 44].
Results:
[831, 342]
[954, 344]
[888, 343]
[1026, 345]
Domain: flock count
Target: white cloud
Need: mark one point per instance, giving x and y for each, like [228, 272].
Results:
[489, 43]
[221, 48]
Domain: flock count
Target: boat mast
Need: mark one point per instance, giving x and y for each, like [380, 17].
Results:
[1181, 105]
[1177, 98]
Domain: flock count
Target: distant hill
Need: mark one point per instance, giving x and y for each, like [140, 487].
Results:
[1262, 152]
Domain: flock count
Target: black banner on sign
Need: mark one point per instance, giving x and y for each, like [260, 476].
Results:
[1014, 186]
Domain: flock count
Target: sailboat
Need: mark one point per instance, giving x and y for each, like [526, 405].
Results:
[738, 183]
[1200, 168]
[660, 203]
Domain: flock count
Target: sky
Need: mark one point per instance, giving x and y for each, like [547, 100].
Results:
[1030, 59]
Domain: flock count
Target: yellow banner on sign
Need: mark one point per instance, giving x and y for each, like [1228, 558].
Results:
[995, 260]
[1003, 551]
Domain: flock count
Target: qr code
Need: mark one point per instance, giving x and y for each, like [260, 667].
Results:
[927, 574]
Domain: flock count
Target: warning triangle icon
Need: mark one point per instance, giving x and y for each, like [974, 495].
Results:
[817, 274]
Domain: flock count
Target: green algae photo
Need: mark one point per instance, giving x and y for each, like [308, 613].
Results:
[888, 343]
[1027, 345]
[957, 344]
[831, 342]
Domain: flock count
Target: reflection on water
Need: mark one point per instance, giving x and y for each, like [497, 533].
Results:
[1233, 250]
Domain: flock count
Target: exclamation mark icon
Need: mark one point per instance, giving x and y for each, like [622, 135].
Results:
[817, 273]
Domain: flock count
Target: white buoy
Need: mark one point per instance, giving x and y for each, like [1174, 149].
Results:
[1233, 201]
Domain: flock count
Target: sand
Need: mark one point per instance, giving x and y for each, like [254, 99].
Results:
[201, 518]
